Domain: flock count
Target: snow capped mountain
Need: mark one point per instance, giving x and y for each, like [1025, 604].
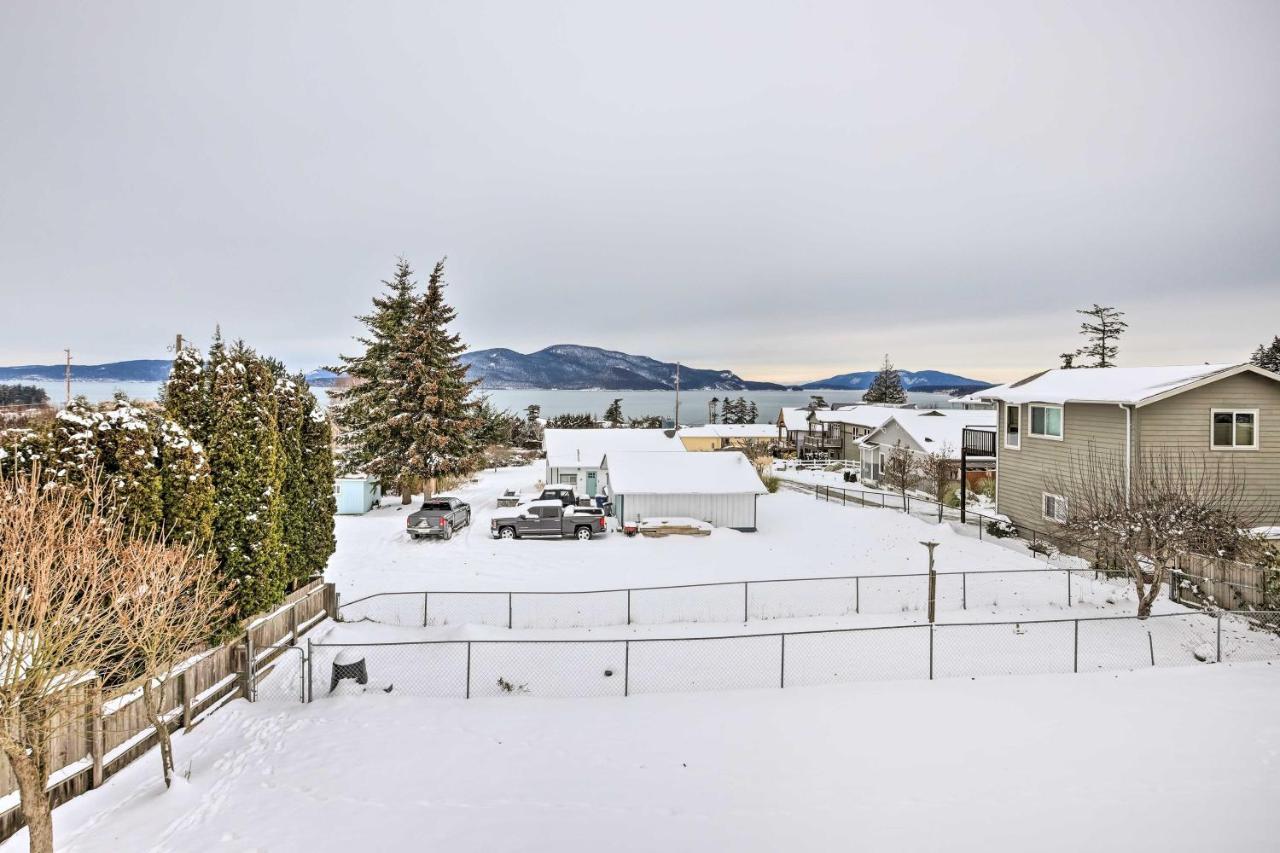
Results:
[574, 367]
[919, 380]
[140, 370]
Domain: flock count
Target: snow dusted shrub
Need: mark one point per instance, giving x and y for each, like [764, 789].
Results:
[1001, 528]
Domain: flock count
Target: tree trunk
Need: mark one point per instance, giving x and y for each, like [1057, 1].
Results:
[406, 486]
[151, 701]
[431, 487]
[34, 801]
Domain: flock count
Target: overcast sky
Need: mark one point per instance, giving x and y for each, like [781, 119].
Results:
[786, 190]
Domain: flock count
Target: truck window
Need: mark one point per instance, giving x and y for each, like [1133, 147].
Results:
[439, 505]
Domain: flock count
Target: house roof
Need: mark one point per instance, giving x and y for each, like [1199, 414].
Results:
[730, 431]
[572, 448]
[1138, 386]
[730, 473]
[934, 429]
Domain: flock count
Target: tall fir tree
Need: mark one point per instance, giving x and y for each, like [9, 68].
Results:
[363, 411]
[186, 486]
[1268, 357]
[752, 412]
[613, 414]
[185, 395]
[1102, 331]
[886, 387]
[436, 421]
[321, 505]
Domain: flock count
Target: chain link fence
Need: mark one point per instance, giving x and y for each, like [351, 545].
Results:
[737, 601]
[475, 668]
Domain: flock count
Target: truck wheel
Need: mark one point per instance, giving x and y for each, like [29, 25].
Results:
[507, 533]
[448, 532]
[583, 533]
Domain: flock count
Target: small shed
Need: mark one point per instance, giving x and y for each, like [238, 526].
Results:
[718, 488]
[356, 494]
[573, 455]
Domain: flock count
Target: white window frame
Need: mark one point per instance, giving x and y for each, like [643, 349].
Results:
[1257, 429]
[1059, 500]
[1062, 421]
[1007, 408]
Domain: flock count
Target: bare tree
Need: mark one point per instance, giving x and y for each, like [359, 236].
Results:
[59, 553]
[1167, 502]
[901, 469]
[938, 469]
[170, 605]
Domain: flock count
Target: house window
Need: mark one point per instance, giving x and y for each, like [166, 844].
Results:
[1046, 421]
[1055, 508]
[568, 479]
[1234, 429]
[1012, 425]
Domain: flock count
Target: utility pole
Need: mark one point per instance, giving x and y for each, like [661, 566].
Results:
[177, 344]
[67, 377]
[677, 423]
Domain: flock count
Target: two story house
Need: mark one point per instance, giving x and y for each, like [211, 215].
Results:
[1208, 414]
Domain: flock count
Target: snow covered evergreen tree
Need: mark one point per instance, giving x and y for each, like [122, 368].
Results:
[1268, 357]
[363, 411]
[245, 457]
[752, 412]
[186, 486]
[886, 387]
[432, 432]
[185, 395]
[613, 414]
[320, 506]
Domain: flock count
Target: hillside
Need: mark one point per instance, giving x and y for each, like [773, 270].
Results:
[569, 366]
[139, 370]
[922, 380]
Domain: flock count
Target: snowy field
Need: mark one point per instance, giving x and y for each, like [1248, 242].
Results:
[1168, 760]
[798, 537]
[1172, 757]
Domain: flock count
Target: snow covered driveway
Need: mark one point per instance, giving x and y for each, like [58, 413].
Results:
[1167, 760]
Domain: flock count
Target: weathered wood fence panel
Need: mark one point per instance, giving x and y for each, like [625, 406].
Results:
[113, 730]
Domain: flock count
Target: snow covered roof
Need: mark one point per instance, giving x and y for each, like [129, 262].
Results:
[1131, 385]
[868, 415]
[731, 431]
[572, 448]
[729, 473]
[932, 429]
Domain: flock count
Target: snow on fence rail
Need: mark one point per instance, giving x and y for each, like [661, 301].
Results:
[474, 668]
[114, 730]
[731, 601]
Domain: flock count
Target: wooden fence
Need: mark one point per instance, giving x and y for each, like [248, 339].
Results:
[112, 730]
[1225, 583]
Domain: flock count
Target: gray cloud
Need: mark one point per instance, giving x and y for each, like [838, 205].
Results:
[787, 191]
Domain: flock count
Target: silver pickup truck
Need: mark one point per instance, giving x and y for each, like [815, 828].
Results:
[438, 516]
[548, 519]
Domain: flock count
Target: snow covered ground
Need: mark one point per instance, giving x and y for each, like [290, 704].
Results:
[1170, 760]
[1142, 758]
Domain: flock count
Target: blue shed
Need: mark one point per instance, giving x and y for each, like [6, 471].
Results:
[357, 494]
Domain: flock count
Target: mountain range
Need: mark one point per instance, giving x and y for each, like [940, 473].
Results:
[564, 366]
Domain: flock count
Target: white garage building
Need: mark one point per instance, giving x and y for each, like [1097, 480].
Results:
[718, 488]
[574, 455]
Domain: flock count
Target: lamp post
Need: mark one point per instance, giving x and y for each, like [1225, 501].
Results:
[933, 580]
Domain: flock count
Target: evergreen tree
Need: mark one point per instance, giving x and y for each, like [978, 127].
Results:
[185, 395]
[294, 499]
[613, 414]
[712, 413]
[1103, 332]
[245, 459]
[1268, 357]
[363, 411]
[1068, 360]
[317, 498]
[432, 431]
[886, 387]
[752, 412]
[186, 486]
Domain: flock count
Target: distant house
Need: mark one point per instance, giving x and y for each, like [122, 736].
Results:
[723, 436]
[356, 494]
[1226, 413]
[718, 488]
[830, 432]
[574, 455]
[923, 432]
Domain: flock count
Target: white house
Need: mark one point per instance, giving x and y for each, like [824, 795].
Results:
[718, 488]
[574, 455]
[924, 432]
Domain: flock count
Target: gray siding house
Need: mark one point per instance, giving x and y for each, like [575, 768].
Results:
[1226, 413]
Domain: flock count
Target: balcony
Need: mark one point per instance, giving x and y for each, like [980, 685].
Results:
[978, 442]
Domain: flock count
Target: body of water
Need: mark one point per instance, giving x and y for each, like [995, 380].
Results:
[693, 404]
